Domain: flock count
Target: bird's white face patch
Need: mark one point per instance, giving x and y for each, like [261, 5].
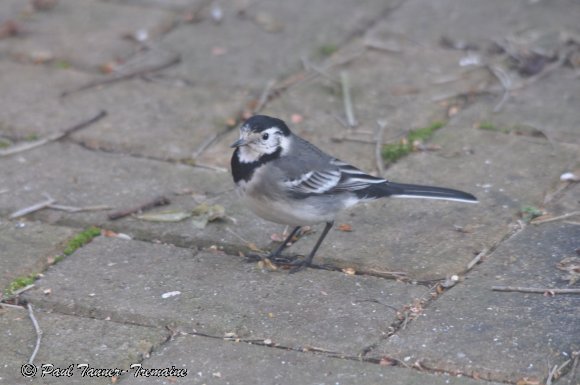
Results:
[261, 143]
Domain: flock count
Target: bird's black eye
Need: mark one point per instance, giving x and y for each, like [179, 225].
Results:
[265, 136]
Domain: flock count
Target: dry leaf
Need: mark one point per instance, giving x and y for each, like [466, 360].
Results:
[349, 271]
[267, 264]
[165, 216]
[344, 227]
[296, 118]
[204, 213]
[528, 381]
[387, 361]
[277, 237]
[571, 265]
[268, 23]
[253, 247]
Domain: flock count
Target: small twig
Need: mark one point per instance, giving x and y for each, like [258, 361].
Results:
[52, 137]
[506, 83]
[38, 333]
[535, 290]
[476, 260]
[210, 167]
[379, 46]
[349, 139]
[204, 145]
[265, 96]
[158, 201]
[551, 375]
[237, 235]
[559, 217]
[379, 146]
[174, 59]
[73, 209]
[347, 100]
[31, 209]
[572, 373]
[9, 305]
[22, 290]
[4, 191]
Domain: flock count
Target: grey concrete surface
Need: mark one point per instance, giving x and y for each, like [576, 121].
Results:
[502, 336]
[244, 363]
[326, 310]
[69, 341]
[308, 327]
[28, 248]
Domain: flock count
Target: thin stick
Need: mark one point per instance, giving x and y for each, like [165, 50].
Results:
[347, 100]
[535, 290]
[204, 146]
[572, 373]
[476, 260]
[9, 305]
[22, 290]
[32, 209]
[38, 333]
[376, 45]
[52, 137]
[4, 191]
[564, 216]
[379, 146]
[265, 96]
[506, 83]
[551, 375]
[158, 201]
[120, 77]
[73, 209]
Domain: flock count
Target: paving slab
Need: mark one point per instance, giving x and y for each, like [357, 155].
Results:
[156, 120]
[425, 22]
[159, 285]
[139, 113]
[33, 107]
[273, 34]
[541, 105]
[499, 335]
[25, 248]
[85, 35]
[241, 363]
[68, 340]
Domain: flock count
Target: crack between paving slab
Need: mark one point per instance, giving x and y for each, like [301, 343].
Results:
[267, 343]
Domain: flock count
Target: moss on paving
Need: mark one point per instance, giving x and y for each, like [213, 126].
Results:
[395, 151]
[528, 213]
[81, 239]
[71, 246]
[18, 283]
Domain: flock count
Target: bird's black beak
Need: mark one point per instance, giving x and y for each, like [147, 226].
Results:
[239, 142]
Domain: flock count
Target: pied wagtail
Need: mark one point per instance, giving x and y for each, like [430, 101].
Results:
[285, 179]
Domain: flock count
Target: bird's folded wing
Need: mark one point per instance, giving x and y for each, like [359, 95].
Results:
[339, 177]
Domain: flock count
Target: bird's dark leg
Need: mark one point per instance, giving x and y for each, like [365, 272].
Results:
[274, 255]
[299, 265]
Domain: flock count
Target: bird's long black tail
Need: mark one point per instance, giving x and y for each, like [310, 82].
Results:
[400, 190]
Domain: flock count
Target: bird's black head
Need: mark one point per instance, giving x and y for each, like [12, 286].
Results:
[259, 123]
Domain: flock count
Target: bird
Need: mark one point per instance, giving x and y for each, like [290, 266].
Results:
[285, 179]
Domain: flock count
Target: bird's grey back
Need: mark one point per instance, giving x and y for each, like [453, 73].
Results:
[303, 157]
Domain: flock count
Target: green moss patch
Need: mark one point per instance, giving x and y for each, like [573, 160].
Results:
[395, 151]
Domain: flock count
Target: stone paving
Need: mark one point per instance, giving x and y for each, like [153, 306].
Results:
[406, 294]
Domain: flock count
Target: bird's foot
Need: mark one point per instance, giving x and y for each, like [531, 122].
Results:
[272, 259]
[298, 264]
